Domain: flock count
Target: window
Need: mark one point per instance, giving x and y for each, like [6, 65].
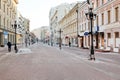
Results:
[116, 13]
[7, 11]
[85, 26]
[4, 7]
[109, 17]
[102, 18]
[82, 27]
[93, 5]
[102, 1]
[109, 35]
[96, 3]
[116, 34]
[88, 25]
[97, 20]
[117, 40]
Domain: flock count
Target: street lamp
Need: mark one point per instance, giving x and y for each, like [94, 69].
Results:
[51, 36]
[77, 27]
[91, 16]
[26, 40]
[60, 43]
[15, 27]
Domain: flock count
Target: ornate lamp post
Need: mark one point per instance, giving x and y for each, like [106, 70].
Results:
[15, 27]
[51, 37]
[91, 16]
[77, 27]
[60, 43]
[26, 38]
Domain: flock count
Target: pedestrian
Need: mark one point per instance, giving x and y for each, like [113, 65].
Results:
[69, 44]
[9, 46]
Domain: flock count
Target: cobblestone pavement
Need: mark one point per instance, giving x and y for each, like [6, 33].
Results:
[50, 63]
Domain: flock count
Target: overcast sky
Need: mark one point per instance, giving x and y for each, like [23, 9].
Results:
[37, 11]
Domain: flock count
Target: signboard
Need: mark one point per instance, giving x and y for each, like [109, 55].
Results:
[86, 33]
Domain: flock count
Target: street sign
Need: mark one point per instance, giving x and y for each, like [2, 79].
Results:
[86, 33]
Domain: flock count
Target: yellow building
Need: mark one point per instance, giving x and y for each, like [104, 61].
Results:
[26, 24]
[26, 29]
[108, 20]
[69, 26]
[8, 9]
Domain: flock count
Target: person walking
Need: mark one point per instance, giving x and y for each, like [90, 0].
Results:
[69, 44]
[9, 46]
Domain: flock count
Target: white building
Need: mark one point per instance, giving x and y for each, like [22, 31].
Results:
[42, 32]
[55, 15]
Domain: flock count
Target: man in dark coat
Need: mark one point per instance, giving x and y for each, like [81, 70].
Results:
[9, 46]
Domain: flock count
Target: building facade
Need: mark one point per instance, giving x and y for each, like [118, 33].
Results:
[84, 27]
[108, 20]
[20, 29]
[45, 34]
[8, 11]
[106, 25]
[69, 26]
[55, 15]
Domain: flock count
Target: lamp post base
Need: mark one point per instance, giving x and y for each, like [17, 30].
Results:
[92, 56]
[16, 50]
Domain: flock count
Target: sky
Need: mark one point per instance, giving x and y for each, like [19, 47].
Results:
[37, 11]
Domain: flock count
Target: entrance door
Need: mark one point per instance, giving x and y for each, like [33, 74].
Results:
[81, 40]
[102, 39]
[97, 40]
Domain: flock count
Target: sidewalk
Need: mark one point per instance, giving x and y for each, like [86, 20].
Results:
[4, 50]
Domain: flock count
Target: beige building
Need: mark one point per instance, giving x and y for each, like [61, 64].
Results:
[69, 26]
[20, 29]
[106, 26]
[108, 20]
[26, 34]
[108, 23]
[84, 26]
[45, 34]
[8, 10]
[42, 33]
[55, 15]
[37, 33]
